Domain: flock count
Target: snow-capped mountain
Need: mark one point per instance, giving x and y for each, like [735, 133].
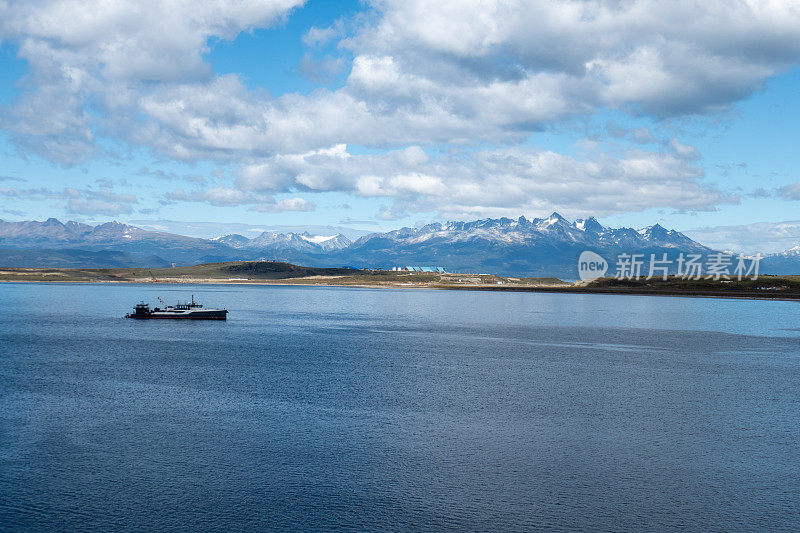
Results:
[786, 262]
[136, 247]
[554, 229]
[270, 241]
[234, 240]
[48, 231]
[541, 246]
[328, 243]
[53, 232]
[304, 242]
[520, 247]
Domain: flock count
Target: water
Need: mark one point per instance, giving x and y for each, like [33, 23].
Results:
[357, 409]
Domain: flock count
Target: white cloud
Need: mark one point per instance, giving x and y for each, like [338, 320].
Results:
[107, 55]
[78, 201]
[223, 196]
[319, 36]
[321, 70]
[452, 73]
[140, 40]
[764, 237]
[663, 57]
[231, 197]
[97, 206]
[286, 204]
[790, 192]
[399, 185]
[424, 72]
[216, 196]
[497, 182]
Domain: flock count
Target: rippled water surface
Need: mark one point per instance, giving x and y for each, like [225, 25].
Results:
[330, 408]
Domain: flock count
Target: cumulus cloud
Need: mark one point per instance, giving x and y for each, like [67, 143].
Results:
[329, 169]
[107, 55]
[319, 36]
[663, 58]
[217, 196]
[141, 40]
[500, 182]
[286, 204]
[454, 73]
[232, 197]
[423, 72]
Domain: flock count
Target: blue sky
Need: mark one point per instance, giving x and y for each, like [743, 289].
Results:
[378, 115]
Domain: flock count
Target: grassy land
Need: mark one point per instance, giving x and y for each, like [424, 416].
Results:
[263, 272]
[269, 272]
[765, 287]
[789, 283]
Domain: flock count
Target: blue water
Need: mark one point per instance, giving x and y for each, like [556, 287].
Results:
[357, 409]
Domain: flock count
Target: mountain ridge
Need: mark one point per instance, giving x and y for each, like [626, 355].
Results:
[520, 246]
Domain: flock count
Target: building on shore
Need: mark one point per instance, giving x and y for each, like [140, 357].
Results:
[439, 270]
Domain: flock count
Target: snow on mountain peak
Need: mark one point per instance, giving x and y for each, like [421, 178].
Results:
[590, 224]
[317, 239]
[795, 251]
[555, 218]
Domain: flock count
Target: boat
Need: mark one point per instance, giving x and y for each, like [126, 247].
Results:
[190, 311]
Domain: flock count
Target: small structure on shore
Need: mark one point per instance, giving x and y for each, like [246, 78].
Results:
[440, 270]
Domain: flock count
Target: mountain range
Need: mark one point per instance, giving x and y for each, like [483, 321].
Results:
[512, 247]
[305, 242]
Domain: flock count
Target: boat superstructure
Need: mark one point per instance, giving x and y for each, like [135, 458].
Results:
[190, 310]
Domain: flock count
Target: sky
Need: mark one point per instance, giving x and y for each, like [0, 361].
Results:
[209, 117]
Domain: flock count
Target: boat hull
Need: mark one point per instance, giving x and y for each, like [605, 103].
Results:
[191, 315]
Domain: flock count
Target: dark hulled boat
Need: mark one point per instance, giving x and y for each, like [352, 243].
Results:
[180, 311]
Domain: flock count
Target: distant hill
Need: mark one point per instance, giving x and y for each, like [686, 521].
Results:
[143, 248]
[74, 258]
[510, 247]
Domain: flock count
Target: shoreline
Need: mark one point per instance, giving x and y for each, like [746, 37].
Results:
[566, 289]
[783, 288]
